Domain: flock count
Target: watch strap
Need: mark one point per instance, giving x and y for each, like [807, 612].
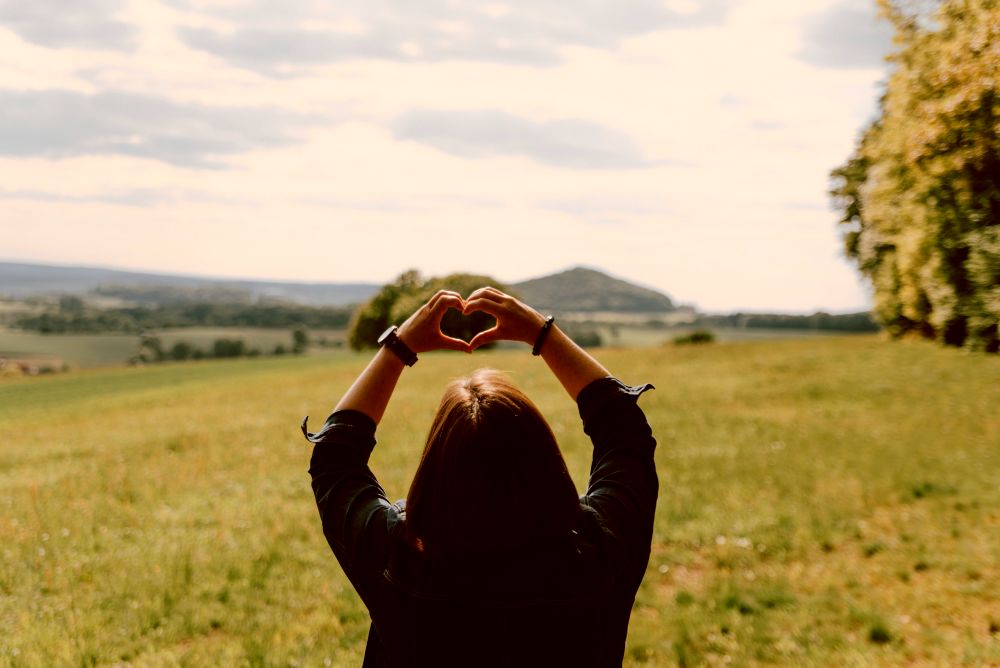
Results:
[390, 339]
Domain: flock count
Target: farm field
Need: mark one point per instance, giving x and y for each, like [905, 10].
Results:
[633, 336]
[101, 350]
[823, 502]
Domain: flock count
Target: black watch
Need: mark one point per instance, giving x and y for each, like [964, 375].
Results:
[391, 340]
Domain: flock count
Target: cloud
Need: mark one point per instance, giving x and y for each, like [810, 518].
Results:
[848, 35]
[77, 23]
[604, 208]
[572, 143]
[63, 124]
[137, 197]
[278, 38]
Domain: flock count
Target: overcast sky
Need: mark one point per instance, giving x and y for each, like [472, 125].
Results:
[681, 144]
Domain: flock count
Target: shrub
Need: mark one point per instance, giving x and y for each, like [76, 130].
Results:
[697, 337]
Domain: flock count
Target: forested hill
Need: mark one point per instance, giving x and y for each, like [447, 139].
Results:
[586, 290]
[575, 290]
[25, 280]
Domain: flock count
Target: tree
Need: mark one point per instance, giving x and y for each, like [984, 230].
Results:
[920, 196]
[71, 305]
[373, 318]
[228, 348]
[396, 301]
[150, 349]
[300, 340]
[182, 350]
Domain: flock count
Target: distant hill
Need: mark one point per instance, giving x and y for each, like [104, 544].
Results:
[587, 290]
[578, 290]
[25, 280]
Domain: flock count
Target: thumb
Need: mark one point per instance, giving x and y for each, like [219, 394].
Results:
[451, 343]
[482, 338]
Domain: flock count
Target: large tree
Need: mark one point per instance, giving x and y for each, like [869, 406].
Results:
[920, 197]
[396, 301]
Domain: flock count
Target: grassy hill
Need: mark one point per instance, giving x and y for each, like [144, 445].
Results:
[582, 290]
[823, 502]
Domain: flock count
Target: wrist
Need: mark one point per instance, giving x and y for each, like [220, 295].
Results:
[534, 325]
[542, 336]
[392, 340]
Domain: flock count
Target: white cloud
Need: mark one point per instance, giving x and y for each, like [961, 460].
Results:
[61, 123]
[80, 23]
[734, 133]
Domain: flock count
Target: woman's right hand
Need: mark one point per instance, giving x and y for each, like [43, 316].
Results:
[516, 321]
[422, 330]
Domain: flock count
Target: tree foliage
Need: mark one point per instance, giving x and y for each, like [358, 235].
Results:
[396, 301]
[72, 316]
[920, 196]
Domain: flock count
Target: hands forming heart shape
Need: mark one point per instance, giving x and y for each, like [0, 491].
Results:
[515, 321]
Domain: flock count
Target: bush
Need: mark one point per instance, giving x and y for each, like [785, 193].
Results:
[697, 337]
[229, 348]
[585, 338]
[182, 350]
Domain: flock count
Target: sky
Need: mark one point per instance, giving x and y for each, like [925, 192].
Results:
[684, 145]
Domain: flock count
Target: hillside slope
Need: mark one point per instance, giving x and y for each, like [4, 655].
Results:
[586, 290]
[20, 280]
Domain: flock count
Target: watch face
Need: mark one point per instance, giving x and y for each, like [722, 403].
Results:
[386, 335]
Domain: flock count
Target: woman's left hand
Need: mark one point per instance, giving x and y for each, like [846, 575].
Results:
[422, 330]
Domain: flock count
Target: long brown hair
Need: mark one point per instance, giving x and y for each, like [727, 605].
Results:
[491, 476]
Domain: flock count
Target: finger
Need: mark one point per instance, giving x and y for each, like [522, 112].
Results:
[442, 294]
[445, 302]
[454, 344]
[485, 305]
[488, 292]
[488, 336]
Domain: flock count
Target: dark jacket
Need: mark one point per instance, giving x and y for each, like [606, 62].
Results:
[565, 602]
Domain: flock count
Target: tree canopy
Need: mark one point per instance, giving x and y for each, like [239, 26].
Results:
[396, 301]
[920, 196]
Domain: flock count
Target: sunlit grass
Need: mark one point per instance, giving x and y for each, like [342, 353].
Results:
[823, 502]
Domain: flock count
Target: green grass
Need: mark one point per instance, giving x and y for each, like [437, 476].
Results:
[83, 350]
[823, 502]
[102, 350]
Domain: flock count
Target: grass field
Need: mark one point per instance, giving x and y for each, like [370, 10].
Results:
[823, 502]
[102, 350]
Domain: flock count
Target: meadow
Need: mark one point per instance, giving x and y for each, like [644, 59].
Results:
[87, 351]
[823, 502]
[102, 350]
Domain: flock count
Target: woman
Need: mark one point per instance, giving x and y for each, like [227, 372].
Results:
[493, 560]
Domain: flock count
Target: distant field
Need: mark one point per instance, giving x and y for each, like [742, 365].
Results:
[82, 350]
[823, 502]
[97, 350]
[651, 336]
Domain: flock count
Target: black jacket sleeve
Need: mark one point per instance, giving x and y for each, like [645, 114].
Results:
[623, 483]
[358, 519]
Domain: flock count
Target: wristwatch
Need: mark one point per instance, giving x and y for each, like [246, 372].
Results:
[391, 340]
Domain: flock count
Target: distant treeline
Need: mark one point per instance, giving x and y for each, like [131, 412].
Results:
[151, 349]
[73, 316]
[848, 322]
[163, 295]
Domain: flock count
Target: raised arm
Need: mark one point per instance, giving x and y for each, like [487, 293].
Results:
[421, 332]
[623, 484]
[357, 518]
[573, 366]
